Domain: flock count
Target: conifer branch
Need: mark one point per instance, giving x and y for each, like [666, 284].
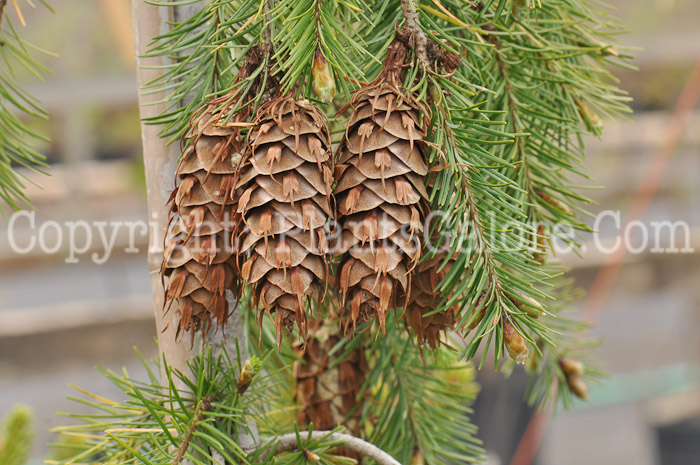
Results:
[493, 294]
[203, 407]
[519, 180]
[549, 355]
[17, 140]
[549, 382]
[316, 25]
[524, 173]
[419, 407]
[201, 417]
[208, 46]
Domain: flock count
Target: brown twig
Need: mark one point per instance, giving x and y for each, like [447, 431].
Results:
[266, 33]
[418, 39]
[202, 408]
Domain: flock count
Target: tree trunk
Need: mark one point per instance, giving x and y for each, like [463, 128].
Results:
[160, 161]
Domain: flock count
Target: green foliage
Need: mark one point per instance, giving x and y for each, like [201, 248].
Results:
[510, 122]
[17, 436]
[412, 402]
[66, 446]
[202, 55]
[548, 383]
[16, 104]
[420, 406]
[192, 418]
[328, 26]
[507, 125]
[312, 451]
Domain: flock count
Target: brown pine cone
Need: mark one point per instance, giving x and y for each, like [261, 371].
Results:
[197, 258]
[198, 261]
[285, 200]
[382, 200]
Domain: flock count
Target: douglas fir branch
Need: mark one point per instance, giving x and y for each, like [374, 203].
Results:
[398, 161]
[368, 192]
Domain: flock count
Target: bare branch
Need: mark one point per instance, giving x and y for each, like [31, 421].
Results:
[202, 408]
[289, 442]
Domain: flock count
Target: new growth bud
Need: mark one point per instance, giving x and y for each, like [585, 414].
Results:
[515, 343]
[311, 456]
[578, 386]
[527, 304]
[435, 94]
[571, 367]
[250, 369]
[590, 119]
[417, 458]
[323, 82]
[554, 203]
[540, 240]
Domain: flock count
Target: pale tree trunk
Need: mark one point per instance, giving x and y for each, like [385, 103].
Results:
[160, 161]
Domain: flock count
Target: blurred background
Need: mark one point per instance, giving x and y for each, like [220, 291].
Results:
[59, 320]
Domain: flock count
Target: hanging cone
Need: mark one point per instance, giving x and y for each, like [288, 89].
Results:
[381, 194]
[285, 200]
[424, 299]
[327, 386]
[198, 263]
[197, 257]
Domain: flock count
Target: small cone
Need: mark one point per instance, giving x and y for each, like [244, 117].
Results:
[284, 193]
[571, 367]
[515, 343]
[577, 386]
[327, 386]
